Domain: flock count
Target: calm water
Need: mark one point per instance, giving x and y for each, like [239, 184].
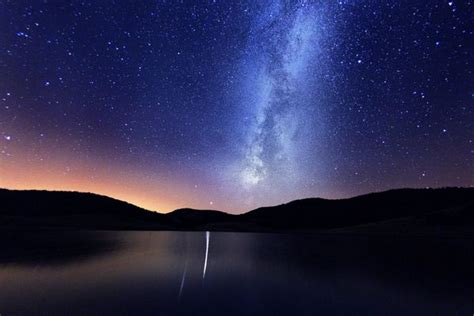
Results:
[167, 273]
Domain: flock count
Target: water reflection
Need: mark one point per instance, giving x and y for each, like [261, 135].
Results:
[53, 248]
[208, 235]
[168, 273]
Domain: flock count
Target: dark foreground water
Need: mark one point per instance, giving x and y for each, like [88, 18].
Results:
[167, 273]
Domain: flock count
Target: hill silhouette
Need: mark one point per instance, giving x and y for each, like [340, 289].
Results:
[410, 208]
[318, 213]
[32, 208]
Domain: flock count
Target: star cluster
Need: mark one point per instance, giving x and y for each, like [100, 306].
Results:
[235, 104]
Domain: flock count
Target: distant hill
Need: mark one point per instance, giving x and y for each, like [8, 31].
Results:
[309, 214]
[34, 209]
[410, 208]
[190, 219]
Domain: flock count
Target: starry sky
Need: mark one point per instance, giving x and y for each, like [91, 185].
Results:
[233, 105]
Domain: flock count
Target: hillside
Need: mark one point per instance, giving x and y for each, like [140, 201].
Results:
[41, 209]
[412, 207]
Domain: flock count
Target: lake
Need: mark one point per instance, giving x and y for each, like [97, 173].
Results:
[199, 273]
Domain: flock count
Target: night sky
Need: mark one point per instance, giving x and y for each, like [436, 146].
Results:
[234, 105]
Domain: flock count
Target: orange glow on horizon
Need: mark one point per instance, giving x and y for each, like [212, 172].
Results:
[40, 180]
[68, 173]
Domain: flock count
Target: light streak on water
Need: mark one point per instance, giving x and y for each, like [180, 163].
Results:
[208, 234]
[183, 278]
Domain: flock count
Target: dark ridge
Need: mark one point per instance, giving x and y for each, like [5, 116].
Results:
[46, 209]
[32, 208]
[318, 213]
[191, 219]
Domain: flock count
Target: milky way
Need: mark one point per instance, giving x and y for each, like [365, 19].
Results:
[235, 104]
[282, 52]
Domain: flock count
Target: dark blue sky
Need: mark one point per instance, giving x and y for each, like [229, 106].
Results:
[234, 105]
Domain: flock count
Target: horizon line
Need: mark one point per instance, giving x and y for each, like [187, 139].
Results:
[260, 207]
